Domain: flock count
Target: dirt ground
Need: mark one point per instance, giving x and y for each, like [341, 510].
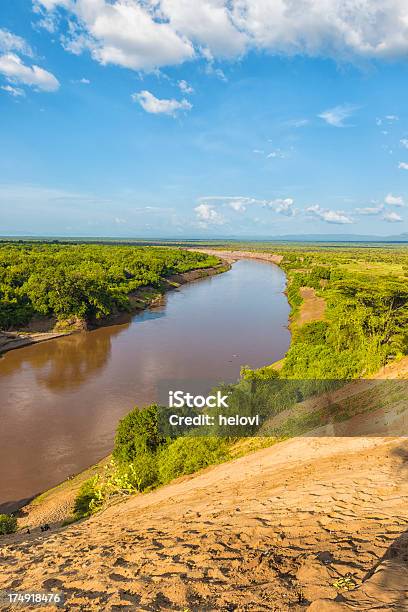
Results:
[279, 529]
[312, 307]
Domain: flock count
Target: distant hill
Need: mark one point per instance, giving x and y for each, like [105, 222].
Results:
[342, 238]
[191, 240]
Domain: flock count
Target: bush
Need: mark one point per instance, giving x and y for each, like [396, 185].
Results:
[89, 498]
[8, 524]
[312, 333]
[139, 475]
[137, 434]
[189, 454]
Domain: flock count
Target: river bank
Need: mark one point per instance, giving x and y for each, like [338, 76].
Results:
[42, 329]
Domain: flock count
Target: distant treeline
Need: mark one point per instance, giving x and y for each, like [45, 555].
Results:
[83, 281]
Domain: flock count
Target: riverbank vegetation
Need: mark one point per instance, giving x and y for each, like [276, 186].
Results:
[143, 459]
[82, 281]
[365, 322]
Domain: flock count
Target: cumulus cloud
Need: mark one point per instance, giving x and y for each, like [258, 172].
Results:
[208, 215]
[16, 92]
[148, 34]
[404, 142]
[127, 33]
[239, 205]
[403, 166]
[15, 71]
[11, 42]
[285, 207]
[329, 216]
[337, 116]
[236, 203]
[392, 200]
[392, 217]
[209, 24]
[185, 87]
[157, 106]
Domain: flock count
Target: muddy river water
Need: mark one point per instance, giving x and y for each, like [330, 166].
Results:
[60, 401]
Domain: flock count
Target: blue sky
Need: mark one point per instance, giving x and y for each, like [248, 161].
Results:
[239, 118]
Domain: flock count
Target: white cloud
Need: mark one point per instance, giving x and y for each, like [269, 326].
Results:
[208, 24]
[16, 92]
[336, 116]
[392, 117]
[285, 207]
[392, 217]
[404, 142]
[82, 81]
[329, 216]
[212, 71]
[185, 87]
[154, 105]
[127, 33]
[12, 67]
[403, 166]
[238, 205]
[327, 27]
[392, 200]
[207, 214]
[241, 203]
[276, 154]
[11, 42]
[148, 34]
[370, 210]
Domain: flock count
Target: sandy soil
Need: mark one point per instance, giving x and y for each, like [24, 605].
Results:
[312, 307]
[13, 340]
[274, 530]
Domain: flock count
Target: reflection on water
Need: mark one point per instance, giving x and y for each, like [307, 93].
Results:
[68, 363]
[60, 401]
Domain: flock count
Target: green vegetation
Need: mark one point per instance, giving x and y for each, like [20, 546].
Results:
[366, 317]
[143, 460]
[89, 499]
[8, 524]
[85, 282]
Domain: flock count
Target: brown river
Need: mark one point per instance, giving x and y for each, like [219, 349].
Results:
[60, 400]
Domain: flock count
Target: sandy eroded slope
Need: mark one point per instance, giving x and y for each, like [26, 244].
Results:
[270, 531]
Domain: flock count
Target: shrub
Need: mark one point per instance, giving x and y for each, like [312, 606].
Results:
[8, 524]
[189, 454]
[139, 475]
[89, 498]
[312, 333]
[137, 434]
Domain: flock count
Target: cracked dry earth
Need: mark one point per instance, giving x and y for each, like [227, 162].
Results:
[274, 530]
